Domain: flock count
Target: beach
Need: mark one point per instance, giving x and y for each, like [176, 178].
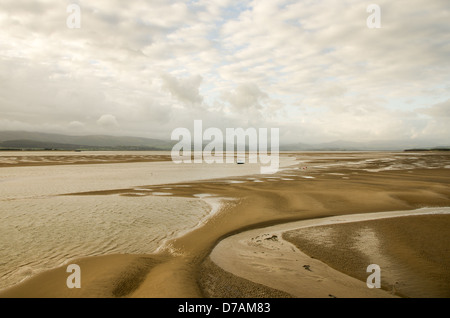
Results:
[240, 204]
[317, 258]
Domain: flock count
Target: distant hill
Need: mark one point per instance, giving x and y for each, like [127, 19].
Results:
[33, 140]
[342, 145]
[429, 149]
[10, 140]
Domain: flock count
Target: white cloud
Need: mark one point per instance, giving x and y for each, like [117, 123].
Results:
[311, 68]
[439, 110]
[76, 125]
[184, 89]
[107, 121]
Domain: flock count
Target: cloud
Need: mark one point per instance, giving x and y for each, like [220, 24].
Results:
[76, 125]
[107, 121]
[185, 90]
[310, 68]
[439, 110]
[246, 96]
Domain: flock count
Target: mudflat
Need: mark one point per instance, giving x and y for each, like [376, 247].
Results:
[316, 186]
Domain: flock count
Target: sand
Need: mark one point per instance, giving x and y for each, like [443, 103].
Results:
[218, 283]
[411, 251]
[45, 158]
[334, 184]
[108, 276]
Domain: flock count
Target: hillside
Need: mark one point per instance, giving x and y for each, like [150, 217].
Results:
[33, 140]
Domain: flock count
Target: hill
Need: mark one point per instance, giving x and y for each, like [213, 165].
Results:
[38, 141]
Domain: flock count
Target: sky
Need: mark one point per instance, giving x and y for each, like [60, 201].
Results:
[313, 69]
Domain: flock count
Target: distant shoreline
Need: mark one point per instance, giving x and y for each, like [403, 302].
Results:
[430, 150]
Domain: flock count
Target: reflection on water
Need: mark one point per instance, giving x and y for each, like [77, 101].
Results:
[40, 229]
[38, 234]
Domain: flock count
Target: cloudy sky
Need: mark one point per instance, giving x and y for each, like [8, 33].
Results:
[311, 68]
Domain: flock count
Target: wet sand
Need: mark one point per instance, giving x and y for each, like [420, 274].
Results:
[332, 185]
[413, 252]
[108, 276]
[37, 158]
[328, 257]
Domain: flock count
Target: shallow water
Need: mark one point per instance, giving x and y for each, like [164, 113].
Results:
[41, 228]
[39, 234]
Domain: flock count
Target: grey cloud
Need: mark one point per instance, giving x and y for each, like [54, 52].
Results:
[108, 121]
[439, 110]
[184, 89]
[311, 67]
[246, 96]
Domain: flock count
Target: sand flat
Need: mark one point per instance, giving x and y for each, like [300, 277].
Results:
[401, 182]
[412, 251]
[107, 276]
[266, 256]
